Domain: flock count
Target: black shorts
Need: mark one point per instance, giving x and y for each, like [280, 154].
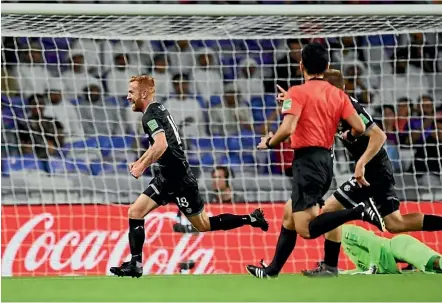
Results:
[381, 191]
[184, 193]
[312, 177]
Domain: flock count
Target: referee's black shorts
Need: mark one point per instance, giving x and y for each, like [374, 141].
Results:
[312, 177]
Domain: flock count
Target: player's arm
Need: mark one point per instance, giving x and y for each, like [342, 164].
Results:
[416, 253]
[350, 115]
[365, 241]
[374, 132]
[155, 151]
[377, 140]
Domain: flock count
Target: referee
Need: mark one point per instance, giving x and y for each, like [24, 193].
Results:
[312, 113]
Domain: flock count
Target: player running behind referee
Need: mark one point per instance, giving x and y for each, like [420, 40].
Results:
[372, 254]
[312, 112]
[175, 183]
[377, 186]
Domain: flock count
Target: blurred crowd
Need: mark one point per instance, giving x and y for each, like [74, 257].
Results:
[57, 92]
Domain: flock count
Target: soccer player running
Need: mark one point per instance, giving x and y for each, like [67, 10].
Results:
[372, 254]
[174, 183]
[377, 186]
[312, 112]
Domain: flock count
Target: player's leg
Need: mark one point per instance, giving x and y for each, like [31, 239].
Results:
[344, 197]
[332, 244]
[310, 225]
[284, 247]
[352, 197]
[408, 249]
[315, 173]
[395, 222]
[191, 205]
[312, 175]
[203, 223]
[142, 206]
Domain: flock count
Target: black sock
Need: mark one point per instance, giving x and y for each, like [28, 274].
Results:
[329, 221]
[332, 250]
[432, 223]
[136, 238]
[284, 247]
[228, 221]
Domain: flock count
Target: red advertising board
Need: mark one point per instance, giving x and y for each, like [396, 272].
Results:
[88, 239]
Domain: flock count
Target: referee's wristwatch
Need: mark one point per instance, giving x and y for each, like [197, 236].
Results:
[268, 143]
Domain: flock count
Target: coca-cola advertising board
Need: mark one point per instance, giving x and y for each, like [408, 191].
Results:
[87, 239]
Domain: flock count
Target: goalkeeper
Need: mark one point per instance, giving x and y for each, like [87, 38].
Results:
[373, 254]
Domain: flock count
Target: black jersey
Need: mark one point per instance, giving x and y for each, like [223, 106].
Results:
[358, 147]
[173, 163]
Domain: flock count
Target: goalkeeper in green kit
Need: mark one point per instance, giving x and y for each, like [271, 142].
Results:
[372, 254]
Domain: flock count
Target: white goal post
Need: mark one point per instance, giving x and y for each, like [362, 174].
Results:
[77, 191]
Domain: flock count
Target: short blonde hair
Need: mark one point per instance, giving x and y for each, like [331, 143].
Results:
[335, 78]
[143, 80]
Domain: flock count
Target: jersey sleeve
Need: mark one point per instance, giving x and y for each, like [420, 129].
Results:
[153, 121]
[364, 242]
[294, 104]
[365, 116]
[348, 108]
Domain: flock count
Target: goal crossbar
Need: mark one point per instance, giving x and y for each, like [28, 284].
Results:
[154, 22]
[220, 10]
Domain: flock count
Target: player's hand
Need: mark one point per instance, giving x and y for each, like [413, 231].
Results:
[137, 170]
[367, 272]
[345, 136]
[131, 165]
[371, 271]
[262, 144]
[282, 95]
[360, 174]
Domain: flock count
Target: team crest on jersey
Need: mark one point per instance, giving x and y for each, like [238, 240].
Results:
[286, 105]
[152, 125]
[162, 107]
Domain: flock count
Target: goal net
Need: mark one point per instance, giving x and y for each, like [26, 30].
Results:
[68, 132]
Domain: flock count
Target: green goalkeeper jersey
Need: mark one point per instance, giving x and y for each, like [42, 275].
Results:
[365, 249]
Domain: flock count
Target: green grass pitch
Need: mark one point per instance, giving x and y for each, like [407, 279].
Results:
[225, 288]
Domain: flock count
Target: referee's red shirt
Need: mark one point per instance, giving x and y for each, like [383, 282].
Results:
[320, 106]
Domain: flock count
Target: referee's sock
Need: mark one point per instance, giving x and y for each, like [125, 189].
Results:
[284, 247]
[136, 238]
[228, 221]
[432, 223]
[329, 221]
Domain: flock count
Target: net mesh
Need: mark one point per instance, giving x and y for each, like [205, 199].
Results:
[209, 27]
[68, 132]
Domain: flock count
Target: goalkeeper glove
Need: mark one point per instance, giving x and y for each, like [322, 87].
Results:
[371, 271]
